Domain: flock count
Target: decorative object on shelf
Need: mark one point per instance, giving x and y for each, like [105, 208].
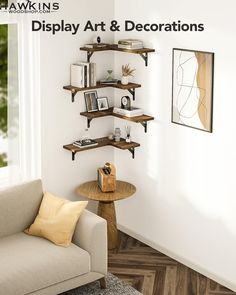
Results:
[131, 112]
[126, 102]
[126, 72]
[110, 136]
[117, 134]
[91, 101]
[109, 75]
[192, 88]
[102, 103]
[128, 130]
[125, 80]
[97, 43]
[85, 135]
[97, 39]
[107, 178]
[130, 44]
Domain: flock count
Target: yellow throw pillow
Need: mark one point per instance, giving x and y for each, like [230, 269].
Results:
[57, 219]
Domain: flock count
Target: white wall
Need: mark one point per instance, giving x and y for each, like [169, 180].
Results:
[61, 121]
[186, 196]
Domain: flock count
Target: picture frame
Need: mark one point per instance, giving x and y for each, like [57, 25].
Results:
[192, 88]
[91, 101]
[102, 103]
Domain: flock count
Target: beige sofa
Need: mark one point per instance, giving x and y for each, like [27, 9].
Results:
[33, 265]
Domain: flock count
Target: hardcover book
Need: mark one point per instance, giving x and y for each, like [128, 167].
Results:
[132, 112]
[133, 46]
[112, 81]
[86, 73]
[85, 143]
[77, 75]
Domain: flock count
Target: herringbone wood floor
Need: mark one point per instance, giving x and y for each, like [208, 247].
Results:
[153, 273]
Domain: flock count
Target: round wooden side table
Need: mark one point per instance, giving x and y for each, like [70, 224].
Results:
[106, 205]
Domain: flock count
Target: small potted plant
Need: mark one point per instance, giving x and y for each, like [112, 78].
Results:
[126, 72]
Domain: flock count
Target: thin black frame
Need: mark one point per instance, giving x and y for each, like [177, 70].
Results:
[95, 100]
[212, 88]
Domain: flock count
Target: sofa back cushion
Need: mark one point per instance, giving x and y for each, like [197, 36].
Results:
[19, 206]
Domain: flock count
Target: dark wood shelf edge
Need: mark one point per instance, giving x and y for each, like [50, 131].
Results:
[143, 52]
[143, 119]
[114, 47]
[109, 112]
[130, 87]
[99, 85]
[103, 141]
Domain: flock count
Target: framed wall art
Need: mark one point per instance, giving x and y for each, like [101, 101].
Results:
[192, 88]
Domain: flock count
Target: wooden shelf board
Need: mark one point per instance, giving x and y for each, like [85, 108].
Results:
[103, 141]
[136, 51]
[109, 112]
[74, 89]
[115, 48]
[136, 119]
[128, 86]
[96, 49]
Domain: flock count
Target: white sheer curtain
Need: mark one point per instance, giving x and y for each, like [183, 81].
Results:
[24, 132]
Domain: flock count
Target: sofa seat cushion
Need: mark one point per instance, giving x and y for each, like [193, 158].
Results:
[29, 263]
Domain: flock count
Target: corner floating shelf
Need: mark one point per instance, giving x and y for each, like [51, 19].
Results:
[137, 119]
[143, 52]
[104, 141]
[130, 87]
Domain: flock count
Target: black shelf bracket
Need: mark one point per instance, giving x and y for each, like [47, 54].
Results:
[73, 94]
[144, 124]
[132, 151]
[132, 92]
[144, 57]
[88, 122]
[73, 155]
[89, 55]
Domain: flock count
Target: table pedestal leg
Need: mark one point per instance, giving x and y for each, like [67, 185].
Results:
[107, 211]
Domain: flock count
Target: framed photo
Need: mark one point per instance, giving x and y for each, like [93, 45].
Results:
[91, 101]
[192, 88]
[102, 103]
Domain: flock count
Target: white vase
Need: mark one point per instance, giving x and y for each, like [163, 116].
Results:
[124, 80]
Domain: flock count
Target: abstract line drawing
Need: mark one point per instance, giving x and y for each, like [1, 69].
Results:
[192, 88]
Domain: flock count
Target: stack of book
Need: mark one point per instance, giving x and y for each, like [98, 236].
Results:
[130, 44]
[85, 143]
[109, 81]
[83, 74]
[132, 112]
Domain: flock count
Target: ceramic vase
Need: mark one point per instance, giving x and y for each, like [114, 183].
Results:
[125, 80]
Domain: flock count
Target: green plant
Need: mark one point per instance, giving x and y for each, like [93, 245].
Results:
[127, 71]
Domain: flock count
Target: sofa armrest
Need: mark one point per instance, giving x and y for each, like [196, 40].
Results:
[91, 235]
